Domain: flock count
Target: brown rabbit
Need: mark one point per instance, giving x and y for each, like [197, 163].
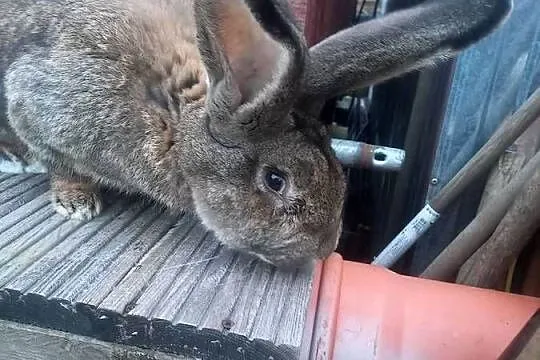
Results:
[207, 106]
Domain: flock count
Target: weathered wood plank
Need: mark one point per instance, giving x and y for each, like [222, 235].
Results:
[85, 278]
[48, 263]
[137, 276]
[15, 217]
[141, 274]
[4, 176]
[208, 275]
[226, 295]
[277, 301]
[158, 297]
[189, 272]
[291, 320]
[14, 203]
[25, 342]
[138, 245]
[250, 302]
[21, 188]
[12, 181]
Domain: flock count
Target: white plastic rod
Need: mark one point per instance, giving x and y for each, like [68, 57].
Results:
[407, 237]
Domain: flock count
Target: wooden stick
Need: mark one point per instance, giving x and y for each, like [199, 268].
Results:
[486, 265]
[505, 135]
[446, 265]
[506, 168]
[512, 160]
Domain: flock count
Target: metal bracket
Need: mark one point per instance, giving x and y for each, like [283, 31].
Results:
[356, 154]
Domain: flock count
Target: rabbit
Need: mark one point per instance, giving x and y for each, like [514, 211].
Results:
[206, 106]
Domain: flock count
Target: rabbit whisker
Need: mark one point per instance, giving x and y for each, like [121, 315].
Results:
[191, 263]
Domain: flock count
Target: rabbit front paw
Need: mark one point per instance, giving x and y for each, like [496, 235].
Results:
[75, 199]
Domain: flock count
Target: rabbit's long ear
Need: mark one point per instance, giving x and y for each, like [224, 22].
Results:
[396, 43]
[254, 54]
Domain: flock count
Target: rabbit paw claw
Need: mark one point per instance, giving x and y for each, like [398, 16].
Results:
[77, 204]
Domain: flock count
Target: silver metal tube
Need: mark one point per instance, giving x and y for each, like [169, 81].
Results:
[355, 154]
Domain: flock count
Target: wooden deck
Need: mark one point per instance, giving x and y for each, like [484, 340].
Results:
[141, 277]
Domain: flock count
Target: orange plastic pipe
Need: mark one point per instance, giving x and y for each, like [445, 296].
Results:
[365, 312]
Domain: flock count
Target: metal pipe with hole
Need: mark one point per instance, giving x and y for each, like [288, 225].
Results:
[355, 154]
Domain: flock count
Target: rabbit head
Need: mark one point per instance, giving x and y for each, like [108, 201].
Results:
[262, 173]
[263, 176]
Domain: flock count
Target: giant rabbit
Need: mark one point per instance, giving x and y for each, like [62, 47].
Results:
[209, 106]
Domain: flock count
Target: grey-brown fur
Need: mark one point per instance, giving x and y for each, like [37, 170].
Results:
[116, 93]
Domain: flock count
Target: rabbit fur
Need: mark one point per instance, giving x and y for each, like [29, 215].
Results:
[208, 106]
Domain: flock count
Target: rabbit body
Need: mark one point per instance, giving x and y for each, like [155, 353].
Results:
[84, 90]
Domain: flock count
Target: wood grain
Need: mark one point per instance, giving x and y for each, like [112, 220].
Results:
[509, 164]
[25, 342]
[447, 263]
[482, 161]
[139, 276]
[512, 160]
[520, 223]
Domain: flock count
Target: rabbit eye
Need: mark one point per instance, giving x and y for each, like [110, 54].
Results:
[275, 180]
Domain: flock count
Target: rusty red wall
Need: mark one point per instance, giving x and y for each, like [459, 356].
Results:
[322, 18]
